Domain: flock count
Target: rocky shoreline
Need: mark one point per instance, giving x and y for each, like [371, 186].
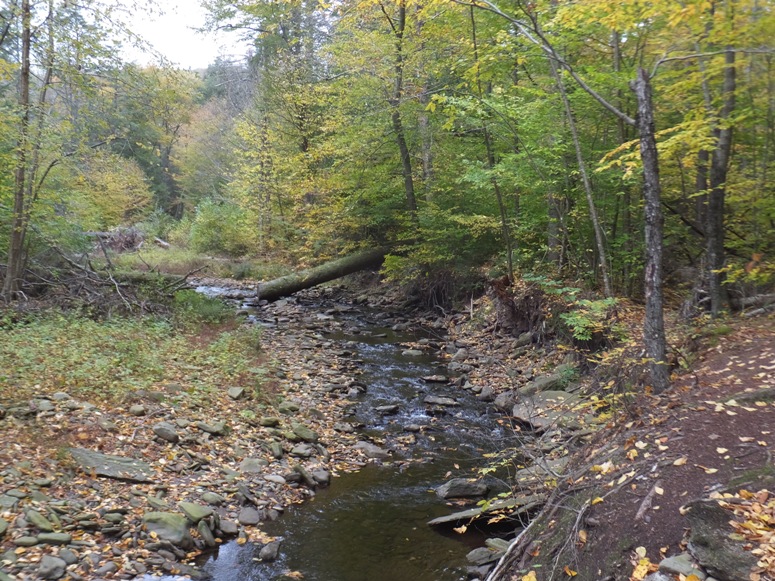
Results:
[145, 488]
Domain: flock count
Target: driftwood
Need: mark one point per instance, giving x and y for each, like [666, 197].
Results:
[292, 283]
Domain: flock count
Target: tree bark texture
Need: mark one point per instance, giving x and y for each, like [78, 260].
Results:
[601, 252]
[16, 248]
[399, 27]
[292, 283]
[654, 325]
[714, 229]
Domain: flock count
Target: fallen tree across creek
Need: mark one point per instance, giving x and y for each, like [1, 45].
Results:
[292, 283]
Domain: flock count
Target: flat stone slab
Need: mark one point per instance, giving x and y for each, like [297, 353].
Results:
[550, 409]
[462, 488]
[517, 505]
[710, 544]
[118, 467]
[439, 400]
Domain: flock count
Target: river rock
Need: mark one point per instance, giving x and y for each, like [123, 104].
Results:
[228, 528]
[25, 541]
[460, 355]
[51, 567]
[206, 534]
[269, 422]
[213, 498]
[3, 527]
[249, 516]
[548, 409]
[137, 410]
[681, 565]
[39, 521]
[276, 448]
[166, 431]
[195, 512]
[438, 400]
[288, 407]
[436, 379]
[236, 393]
[505, 401]
[68, 556]
[253, 465]
[462, 488]
[216, 428]
[482, 556]
[709, 542]
[304, 432]
[411, 353]
[388, 409]
[270, 551]
[118, 467]
[170, 527]
[487, 393]
[303, 451]
[371, 450]
[322, 477]
[543, 383]
[517, 504]
[54, 538]
[275, 478]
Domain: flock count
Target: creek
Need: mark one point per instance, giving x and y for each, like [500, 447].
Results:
[372, 524]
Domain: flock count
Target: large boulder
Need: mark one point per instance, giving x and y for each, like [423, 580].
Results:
[710, 544]
[550, 409]
[170, 527]
[462, 488]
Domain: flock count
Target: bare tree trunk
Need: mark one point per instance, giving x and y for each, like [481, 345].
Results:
[714, 229]
[399, 27]
[654, 325]
[601, 253]
[506, 231]
[20, 221]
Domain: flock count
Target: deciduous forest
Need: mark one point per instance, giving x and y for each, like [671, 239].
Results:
[599, 174]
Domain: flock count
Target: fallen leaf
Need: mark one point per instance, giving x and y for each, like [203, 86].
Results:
[569, 572]
[530, 577]
[582, 536]
[461, 529]
[722, 450]
[659, 491]
[680, 461]
[597, 500]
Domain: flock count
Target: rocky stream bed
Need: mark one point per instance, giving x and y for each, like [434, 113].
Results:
[360, 457]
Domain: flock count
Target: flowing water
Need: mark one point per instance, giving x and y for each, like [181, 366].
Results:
[372, 524]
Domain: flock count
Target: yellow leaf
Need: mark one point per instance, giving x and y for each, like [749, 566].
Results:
[659, 491]
[722, 450]
[597, 500]
[692, 577]
[530, 577]
[582, 536]
[569, 572]
[461, 529]
[641, 552]
[641, 570]
[680, 461]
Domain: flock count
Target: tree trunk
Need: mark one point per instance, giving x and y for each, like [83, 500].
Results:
[654, 325]
[399, 27]
[16, 247]
[601, 253]
[506, 231]
[714, 230]
[287, 285]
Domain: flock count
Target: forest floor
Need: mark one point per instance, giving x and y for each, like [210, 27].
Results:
[710, 435]
[713, 431]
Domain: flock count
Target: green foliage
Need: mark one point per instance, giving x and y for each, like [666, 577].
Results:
[195, 309]
[108, 359]
[222, 228]
[588, 318]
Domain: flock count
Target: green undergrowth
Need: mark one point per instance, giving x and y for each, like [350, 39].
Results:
[181, 261]
[108, 359]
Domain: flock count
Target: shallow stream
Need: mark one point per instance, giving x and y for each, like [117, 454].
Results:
[372, 524]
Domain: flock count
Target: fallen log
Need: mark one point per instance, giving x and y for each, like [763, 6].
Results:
[292, 283]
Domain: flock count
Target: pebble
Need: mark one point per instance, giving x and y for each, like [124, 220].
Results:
[51, 567]
[137, 410]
